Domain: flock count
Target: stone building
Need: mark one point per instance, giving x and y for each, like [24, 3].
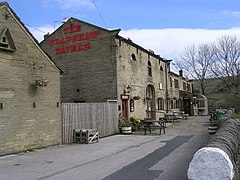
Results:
[29, 89]
[180, 93]
[100, 66]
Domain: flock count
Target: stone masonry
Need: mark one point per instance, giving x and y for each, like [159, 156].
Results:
[29, 114]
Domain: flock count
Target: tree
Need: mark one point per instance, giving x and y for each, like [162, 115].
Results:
[196, 60]
[226, 65]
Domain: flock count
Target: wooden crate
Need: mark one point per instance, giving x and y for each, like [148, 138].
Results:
[85, 136]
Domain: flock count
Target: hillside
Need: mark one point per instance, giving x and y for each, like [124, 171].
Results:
[216, 92]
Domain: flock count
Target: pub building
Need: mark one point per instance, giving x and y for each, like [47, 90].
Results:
[101, 66]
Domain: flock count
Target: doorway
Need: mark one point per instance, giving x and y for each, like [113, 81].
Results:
[150, 100]
[125, 108]
[187, 106]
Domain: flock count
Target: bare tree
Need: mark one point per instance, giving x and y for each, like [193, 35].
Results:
[226, 64]
[196, 60]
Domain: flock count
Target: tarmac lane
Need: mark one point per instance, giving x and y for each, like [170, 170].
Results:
[167, 163]
[136, 156]
[141, 169]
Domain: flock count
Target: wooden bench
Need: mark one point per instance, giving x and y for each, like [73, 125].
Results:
[149, 124]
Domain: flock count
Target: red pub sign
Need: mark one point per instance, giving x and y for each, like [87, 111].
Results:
[79, 39]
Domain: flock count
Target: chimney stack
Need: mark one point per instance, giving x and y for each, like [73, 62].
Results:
[46, 35]
[181, 73]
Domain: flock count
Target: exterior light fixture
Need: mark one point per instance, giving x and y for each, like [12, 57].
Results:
[127, 89]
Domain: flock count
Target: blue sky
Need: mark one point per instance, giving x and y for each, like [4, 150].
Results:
[165, 26]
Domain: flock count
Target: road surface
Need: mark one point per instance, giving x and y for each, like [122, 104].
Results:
[126, 157]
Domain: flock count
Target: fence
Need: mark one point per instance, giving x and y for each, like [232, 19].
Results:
[101, 116]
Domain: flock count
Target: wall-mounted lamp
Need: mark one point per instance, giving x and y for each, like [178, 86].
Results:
[127, 89]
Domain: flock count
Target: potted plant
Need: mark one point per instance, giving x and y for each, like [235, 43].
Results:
[124, 125]
[135, 122]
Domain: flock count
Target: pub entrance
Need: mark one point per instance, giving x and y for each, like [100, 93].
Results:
[187, 106]
[150, 99]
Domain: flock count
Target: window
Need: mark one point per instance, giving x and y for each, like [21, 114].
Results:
[4, 42]
[170, 81]
[200, 103]
[160, 104]
[172, 104]
[150, 92]
[1, 106]
[176, 85]
[160, 86]
[188, 87]
[149, 69]
[178, 103]
[4, 39]
[184, 86]
[175, 103]
[161, 68]
[150, 101]
[133, 57]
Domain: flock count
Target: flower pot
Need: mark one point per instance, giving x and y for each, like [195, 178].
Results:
[135, 128]
[126, 130]
[212, 129]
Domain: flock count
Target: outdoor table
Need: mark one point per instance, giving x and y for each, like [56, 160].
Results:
[169, 117]
[154, 124]
[173, 116]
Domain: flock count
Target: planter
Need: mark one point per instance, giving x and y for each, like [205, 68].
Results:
[135, 128]
[126, 130]
[42, 82]
[212, 129]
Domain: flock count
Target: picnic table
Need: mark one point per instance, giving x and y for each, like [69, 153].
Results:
[150, 124]
[171, 117]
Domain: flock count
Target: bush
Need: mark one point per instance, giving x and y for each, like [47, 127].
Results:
[135, 121]
[123, 122]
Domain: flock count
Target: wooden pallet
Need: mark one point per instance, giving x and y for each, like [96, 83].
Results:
[85, 136]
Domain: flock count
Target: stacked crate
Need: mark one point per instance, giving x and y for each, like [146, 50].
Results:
[85, 136]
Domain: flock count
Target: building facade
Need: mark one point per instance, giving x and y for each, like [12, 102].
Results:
[100, 66]
[30, 115]
[180, 93]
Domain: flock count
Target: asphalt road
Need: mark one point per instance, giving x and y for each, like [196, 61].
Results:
[136, 156]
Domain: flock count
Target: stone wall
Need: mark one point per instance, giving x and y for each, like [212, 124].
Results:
[89, 74]
[217, 159]
[135, 73]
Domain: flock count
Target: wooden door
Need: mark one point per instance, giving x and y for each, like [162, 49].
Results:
[187, 106]
[125, 108]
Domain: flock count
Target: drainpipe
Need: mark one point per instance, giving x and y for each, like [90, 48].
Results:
[166, 76]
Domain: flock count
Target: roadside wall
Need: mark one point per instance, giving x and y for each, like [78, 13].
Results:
[217, 159]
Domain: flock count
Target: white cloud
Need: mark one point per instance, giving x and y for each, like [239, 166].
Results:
[69, 4]
[170, 43]
[232, 13]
